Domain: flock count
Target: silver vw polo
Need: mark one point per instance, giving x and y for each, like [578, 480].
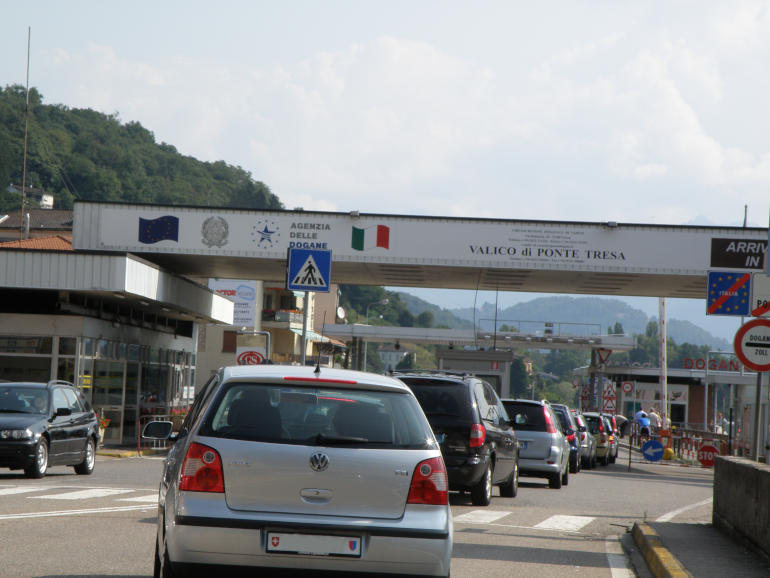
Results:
[305, 468]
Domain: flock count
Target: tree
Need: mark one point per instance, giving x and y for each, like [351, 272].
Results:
[519, 385]
[424, 319]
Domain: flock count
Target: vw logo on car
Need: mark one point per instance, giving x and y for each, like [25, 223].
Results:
[319, 461]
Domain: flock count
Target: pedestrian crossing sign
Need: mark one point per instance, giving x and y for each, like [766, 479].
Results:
[309, 270]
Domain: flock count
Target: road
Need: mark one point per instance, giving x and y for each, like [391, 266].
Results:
[104, 524]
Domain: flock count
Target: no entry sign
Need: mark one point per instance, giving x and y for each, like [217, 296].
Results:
[752, 344]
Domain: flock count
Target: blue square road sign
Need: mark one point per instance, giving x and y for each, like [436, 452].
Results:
[309, 270]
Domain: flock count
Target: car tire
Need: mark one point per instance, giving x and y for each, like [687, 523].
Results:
[605, 460]
[565, 477]
[574, 465]
[593, 461]
[612, 459]
[40, 465]
[510, 488]
[481, 493]
[86, 467]
[554, 481]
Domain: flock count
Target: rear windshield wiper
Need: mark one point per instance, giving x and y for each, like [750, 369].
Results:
[327, 439]
[12, 411]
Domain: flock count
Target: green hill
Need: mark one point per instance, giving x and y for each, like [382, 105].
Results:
[84, 154]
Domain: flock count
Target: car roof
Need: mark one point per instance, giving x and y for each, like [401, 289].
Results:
[28, 384]
[325, 376]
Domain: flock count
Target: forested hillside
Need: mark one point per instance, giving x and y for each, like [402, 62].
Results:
[84, 154]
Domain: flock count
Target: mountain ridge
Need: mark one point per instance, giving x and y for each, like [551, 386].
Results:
[569, 315]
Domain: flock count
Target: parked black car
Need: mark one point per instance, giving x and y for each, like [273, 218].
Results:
[478, 442]
[46, 424]
[570, 428]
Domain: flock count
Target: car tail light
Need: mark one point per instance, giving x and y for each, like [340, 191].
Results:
[549, 427]
[571, 438]
[478, 435]
[202, 470]
[429, 483]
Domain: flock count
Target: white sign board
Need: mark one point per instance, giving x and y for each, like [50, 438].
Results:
[243, 294]
[760, 295]
[464, 242]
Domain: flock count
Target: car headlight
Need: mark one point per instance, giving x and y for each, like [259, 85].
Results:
[16, 434]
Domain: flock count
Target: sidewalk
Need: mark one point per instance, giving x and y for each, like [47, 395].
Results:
[675, 549]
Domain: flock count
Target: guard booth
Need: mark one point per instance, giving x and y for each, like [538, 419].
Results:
[493, 366]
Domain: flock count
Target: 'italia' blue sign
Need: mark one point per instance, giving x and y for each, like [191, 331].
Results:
[729, 293]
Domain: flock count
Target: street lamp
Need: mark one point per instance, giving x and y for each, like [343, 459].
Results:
[380, 302]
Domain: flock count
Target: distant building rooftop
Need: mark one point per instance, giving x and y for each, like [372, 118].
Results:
[42, 223]
[52, 243]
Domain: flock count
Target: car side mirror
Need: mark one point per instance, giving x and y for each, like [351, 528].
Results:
[63, 411]
[581, 428]
[158, 430]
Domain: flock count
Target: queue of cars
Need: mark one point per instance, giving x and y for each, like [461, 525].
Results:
[326, 469]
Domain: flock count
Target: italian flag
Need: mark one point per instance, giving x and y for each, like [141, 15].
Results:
[377, 236]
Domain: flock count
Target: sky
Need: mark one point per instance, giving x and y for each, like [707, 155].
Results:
[635, 112]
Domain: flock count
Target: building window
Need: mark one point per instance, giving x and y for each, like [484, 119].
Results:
[228, 341]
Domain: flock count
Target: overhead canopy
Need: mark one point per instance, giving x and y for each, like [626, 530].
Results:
[416, 251]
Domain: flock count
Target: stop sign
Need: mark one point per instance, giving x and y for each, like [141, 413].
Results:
[706, 455]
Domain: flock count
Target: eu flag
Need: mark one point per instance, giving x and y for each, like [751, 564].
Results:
[160, 229]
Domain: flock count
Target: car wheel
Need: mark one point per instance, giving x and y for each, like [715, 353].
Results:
[613, 458]
[510, 488]
[86, 467]
[605, 460]
[574, 465]
[565, 477]
[40, 465]
[481, 493]
[554, 481]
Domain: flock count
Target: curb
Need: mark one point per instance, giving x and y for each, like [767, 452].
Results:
[123, 453]
[660, 561]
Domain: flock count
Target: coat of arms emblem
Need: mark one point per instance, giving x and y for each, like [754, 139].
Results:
[215, 231]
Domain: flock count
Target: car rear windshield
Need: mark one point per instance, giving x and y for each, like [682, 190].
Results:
[292, 414]
[563, 417]
[442, 399]
[593, 423]
[526, 416]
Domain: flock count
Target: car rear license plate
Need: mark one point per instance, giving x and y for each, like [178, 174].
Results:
[314, 544]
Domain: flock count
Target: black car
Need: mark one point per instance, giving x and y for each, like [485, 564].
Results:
[46, 424]
[478, 443]
[570, 428]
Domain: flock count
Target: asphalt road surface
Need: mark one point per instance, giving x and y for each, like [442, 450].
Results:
[104, 524]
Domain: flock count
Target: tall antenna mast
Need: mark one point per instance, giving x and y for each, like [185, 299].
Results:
[26, 129]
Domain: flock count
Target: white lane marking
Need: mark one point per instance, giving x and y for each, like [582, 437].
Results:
[149, 498]
[9, 491]
[83, 494]
[72, 512]
[565, 523]
[480, 516]
[616, 558]
[667, 517]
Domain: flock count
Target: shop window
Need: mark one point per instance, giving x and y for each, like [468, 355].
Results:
[67, 345]
[26, 345]
[228, 341]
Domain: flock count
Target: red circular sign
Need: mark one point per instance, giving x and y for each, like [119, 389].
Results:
[706, 455]
[250, 358]
[752, 344]
[628, 387]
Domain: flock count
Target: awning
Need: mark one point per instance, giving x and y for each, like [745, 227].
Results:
[311, 335]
